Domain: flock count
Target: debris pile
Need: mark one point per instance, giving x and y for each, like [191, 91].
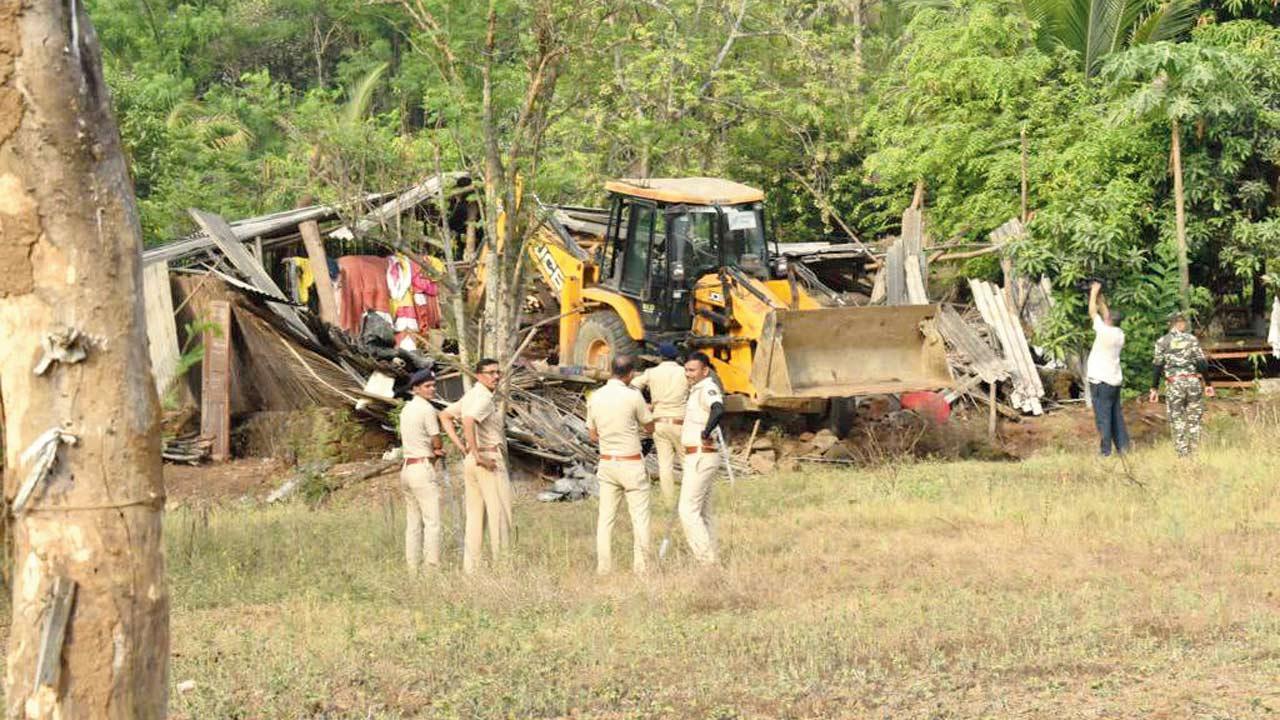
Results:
[304, 309]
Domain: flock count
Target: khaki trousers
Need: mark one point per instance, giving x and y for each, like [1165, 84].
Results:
[619, 479]
[488, 503]
[695, 504]
[422, 529]
[666, 438]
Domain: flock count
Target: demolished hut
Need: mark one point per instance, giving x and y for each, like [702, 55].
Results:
[314, 307]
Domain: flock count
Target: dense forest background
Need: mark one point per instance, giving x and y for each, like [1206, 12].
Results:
[835, 108]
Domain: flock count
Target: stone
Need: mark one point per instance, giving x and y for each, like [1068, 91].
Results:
[823, 440]
[839, 451]
[762, 462]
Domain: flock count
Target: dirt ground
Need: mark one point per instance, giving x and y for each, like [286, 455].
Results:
[1065, 428]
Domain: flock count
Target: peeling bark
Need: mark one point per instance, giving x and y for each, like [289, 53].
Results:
[70, 248]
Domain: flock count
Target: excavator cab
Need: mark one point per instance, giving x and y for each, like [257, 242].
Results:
[666, 234]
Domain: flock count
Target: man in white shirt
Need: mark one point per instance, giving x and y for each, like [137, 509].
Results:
[668, 391]
[1105, 375]
[702, 416]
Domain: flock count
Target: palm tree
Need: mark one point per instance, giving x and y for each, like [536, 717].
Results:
[1095, 29]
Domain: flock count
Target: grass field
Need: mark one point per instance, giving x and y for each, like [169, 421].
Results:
[1053, 588]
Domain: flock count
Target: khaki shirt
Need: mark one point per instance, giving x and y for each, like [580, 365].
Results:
[418, 425]
[478, 405]
[617, 413]
[704, 394]
[668, 388]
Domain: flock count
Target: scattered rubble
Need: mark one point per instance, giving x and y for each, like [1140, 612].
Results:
[282, 357]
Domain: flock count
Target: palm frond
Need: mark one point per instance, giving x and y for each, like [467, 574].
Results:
[362, 96]
[1097, 29]
[1172, 19]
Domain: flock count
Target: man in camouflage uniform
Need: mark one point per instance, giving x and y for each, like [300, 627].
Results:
[1180, 360]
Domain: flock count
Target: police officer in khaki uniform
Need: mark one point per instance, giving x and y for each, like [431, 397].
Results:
[616, 413]
[419, 480]
[488, 487]
[669, 392]
[703, 412]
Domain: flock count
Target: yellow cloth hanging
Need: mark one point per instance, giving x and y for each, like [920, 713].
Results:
[306, 278]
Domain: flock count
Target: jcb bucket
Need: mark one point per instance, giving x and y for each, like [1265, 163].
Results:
[841, 352]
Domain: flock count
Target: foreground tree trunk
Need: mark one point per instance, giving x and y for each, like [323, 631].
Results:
[87, 539]
[1180, 218]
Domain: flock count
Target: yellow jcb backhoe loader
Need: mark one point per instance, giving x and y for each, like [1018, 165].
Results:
[687, 260]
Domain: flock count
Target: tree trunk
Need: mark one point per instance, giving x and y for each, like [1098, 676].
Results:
[859, 25]
[1180, 219]
[87, 545]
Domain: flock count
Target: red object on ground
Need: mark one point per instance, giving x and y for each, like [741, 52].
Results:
[929, 405]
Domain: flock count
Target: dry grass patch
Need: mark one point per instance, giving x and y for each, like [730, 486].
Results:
[1056, 587]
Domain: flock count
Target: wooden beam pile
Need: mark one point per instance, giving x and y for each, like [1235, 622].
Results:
[903, 278]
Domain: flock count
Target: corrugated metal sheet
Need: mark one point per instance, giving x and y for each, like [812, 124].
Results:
[1027, 388]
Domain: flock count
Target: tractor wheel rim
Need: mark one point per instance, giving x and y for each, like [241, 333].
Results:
[598, 355]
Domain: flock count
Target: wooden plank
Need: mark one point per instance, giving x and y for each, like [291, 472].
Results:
[215, 387]
[982, 360]
[240, 258]
[991, 419]
[320, 269]
[913, 244]
[912, 234]
[895, 277]
[162, 333]
[1235, 355]
[878, 292]
[916, 294]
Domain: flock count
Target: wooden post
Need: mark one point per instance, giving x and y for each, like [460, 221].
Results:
[88, 588]
[162, 334]
[1024, 175]
[469, 246]
[991, 416]
[1180, 219]
[215, 387]
[320, 269]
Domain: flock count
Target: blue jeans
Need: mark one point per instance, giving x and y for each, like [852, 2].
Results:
[1108, 417]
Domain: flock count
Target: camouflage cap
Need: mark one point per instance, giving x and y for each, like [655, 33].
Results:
[1179, 316]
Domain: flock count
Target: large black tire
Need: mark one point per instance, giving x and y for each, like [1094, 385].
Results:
[602, 337]
[842, 414]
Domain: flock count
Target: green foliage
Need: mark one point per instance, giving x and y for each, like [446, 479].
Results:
[950, 111]
[248, 106]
